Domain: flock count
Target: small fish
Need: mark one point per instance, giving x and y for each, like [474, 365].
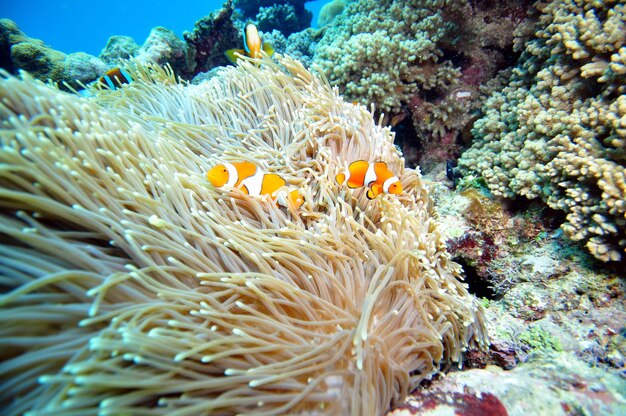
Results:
[376, 176]
[252, 45]
[251, 180]
[114, 78]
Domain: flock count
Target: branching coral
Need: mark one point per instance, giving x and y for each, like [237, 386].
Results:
[132, 286]
[281, 17]
[269, 13]
[385, 52]
[557, 132]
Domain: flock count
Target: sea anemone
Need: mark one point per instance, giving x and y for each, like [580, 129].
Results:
[131, 285]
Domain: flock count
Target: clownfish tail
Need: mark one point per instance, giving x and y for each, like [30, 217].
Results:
[341, 178]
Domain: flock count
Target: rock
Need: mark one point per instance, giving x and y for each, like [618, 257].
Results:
[39, 60]
[211, 37]
[557, 384]
[10, 35]
[118, 48]
[19, 52]
[83, 67]
[164, 47]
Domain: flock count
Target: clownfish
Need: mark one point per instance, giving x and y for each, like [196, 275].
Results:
[251, 180]
[252, 45]
[114, 78]
[376, 176]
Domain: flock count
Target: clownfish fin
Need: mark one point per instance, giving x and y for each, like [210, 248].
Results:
[244, 169]
[271, 183]
[296, 198]
[353, 184]
[268, 48]
[341, 178]
[230, 54]
[374, 191]
[359, 164]
[284, 198]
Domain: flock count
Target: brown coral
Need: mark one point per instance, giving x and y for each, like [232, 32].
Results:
[556, 132]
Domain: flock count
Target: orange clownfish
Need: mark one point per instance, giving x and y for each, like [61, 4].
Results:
[252, 45]
[251, 180]
[114, 78]
[374, 175]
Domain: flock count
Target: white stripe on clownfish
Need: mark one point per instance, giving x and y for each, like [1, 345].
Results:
[254, 183]
[388, 182]
[370, 175]
[233, 176]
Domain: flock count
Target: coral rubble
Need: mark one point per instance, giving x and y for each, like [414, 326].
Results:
[130, 285]
[557, 132]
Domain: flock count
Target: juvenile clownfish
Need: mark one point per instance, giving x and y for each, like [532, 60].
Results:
[252, 45]
[253, 181]
[114, 78]
[376, 176]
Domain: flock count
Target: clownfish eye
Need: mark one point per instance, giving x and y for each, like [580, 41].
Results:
[224, 170]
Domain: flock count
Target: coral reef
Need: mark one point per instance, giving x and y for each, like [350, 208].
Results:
[117, 49]
[489, 238]
[329, 11]
[11, 35]
[299, 45]
[81, 68]
[555, 317]
[288, 16]
[132, 286]
[163, 47]
[360, 47]
[211, 37]
[280, 17]
[19, 52]
[277, 40]
[525, 390]
[557, 131]
[302, 45]
[408, 59]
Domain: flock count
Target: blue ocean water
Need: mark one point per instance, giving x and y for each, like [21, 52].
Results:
[85, 26]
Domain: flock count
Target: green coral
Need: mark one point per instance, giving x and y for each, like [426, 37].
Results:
[557, 132]
[384, 52]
